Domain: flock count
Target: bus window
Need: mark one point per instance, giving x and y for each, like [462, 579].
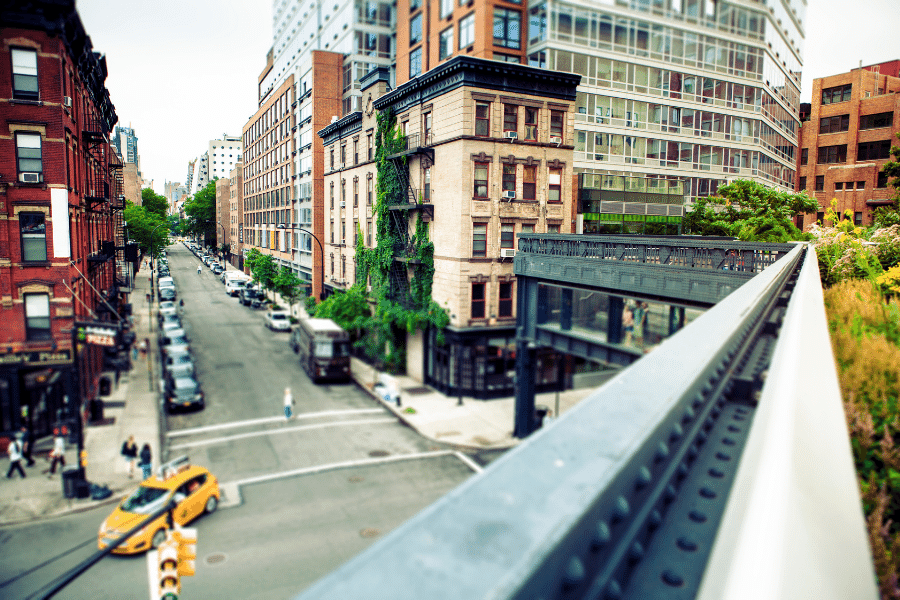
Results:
[323, 349]
[341, 349]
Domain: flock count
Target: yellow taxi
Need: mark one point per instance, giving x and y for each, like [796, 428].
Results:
[194, 489]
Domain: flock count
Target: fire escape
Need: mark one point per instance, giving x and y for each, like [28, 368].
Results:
[117, 205]
[407, 201]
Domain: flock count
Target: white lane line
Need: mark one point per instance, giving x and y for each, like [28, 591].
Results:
[263, 421]
[241, 436]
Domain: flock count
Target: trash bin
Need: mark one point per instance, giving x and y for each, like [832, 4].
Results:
[96, 410]
[70, 478]
[105, 386]
[540, 411]
[82, 488]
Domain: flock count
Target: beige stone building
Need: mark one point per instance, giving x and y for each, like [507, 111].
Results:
[236, 215]
[132, 183]
[488, 156]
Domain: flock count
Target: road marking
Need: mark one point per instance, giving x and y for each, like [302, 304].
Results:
[241, 436]
[264, 420]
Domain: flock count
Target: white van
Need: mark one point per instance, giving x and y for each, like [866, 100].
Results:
[235, 281]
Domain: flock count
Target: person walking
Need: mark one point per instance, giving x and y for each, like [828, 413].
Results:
[199, 269]
[130, 453]
[14, 450]
[288, 404]
[27, 442]
[146, 461]
[58, 454]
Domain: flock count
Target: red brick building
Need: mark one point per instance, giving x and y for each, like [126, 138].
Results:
[853, 121]
[61, 231]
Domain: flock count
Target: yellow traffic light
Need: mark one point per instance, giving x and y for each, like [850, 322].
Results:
[167, 560]
[84, 457]
[186, 539]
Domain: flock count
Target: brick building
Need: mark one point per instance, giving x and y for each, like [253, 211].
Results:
[62, 229]
[236, 215]
[222, 233]
[854, 119]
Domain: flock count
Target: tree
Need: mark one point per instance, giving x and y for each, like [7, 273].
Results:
[154, 203]
[288, 285]
[200, 210]
[750, 211]
[143, 225]
[262, 268]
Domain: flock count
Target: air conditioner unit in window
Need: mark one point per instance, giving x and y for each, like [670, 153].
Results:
[343, 204]
[507, 252]
[555, 139]
[512, 135]
[31, 177]
[67, 101]
[343, 242]
[509, 195]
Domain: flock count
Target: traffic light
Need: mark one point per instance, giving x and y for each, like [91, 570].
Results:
[186, 540]
[168, 585]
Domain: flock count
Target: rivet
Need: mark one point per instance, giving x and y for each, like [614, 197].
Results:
[698, 400]
[602, 535]
[672, 579]
[723, 456]
[738, 417]
[636, 553]
[682, 470]
[689, 415]
[716, 473]
[728, 441]
[676, 434]
[643, 478]
[670, 493]
[655, 519]
[707, 387]
[702, 435]
[734, 429]
[716, 411]
[697, 517]
[613, 591]
[708, 423]
[621, 510]
[693, 451]
[707, 493]
[574, 574]
[662, 452]
[686, 544]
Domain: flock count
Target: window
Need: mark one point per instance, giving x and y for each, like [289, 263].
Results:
[505, 305]
[28, 155]
[332, 159]
[529, 181]
[527, 228]
[882, 180]
[832, 154]
[556, 124]
[478, 300]
[804, 156]
[820, 183]
[34, 236]
[834, 124]
[802, 183]
[481, 180]
[876, 121]
[857, 218]
[415, 29]
[506, 28]
[479, 239]
[343, 155]
[510, 118]
[446, 8]
[839, 186]
[552, 228]
[482, 119]
[874, 150]
[369, 190]
[24, 74]
[426, 178]
[332, 194]
[860, 185]
[555, 181]
[446, 43]
[355, 152]
[507, 235]
[37, 317]
[467, 31]
[343, 191]
[414, 5]
[509, 178]
[510, 58]
[836, 94]
[531, 119]
[355, 192]
[415, 62]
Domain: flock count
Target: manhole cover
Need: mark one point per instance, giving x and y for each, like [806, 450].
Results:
[355, 479]
[369, 532]
[378, 453]
[215, 558]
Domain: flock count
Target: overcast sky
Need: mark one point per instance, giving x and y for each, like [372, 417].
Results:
[183, 72]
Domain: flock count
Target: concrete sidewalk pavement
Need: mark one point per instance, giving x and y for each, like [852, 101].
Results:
[131, 409]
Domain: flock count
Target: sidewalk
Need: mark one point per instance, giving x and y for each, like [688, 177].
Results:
[131, 409]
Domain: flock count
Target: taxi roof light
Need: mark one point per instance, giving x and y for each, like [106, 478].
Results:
[173, 467]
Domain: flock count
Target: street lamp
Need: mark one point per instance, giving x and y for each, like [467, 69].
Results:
[223, 237]
[321, 263]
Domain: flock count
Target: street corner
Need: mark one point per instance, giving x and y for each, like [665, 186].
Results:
[229, 495]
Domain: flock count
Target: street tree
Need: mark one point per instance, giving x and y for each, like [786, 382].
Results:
[146, 228]
[287, 284]
[350, 309]
[154, 203]
[200, 210]
[750, 211]
[262, 268]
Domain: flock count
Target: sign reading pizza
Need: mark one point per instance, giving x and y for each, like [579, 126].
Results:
[97, 334]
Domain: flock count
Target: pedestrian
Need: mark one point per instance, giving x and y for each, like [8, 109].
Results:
[143, 347]
[58, 454]
[146, 461]
[14, 450]
[130, 453]
[288, 404]
[134, 352]
[26, 446]
[628, 322]
[199, 269]
[640, 322]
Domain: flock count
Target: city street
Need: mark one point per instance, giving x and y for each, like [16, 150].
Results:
[300, 497]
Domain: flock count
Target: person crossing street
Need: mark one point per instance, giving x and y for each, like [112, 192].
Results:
[199, 269]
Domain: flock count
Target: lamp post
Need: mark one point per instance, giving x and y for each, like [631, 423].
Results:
[223, 238]
[321, 263]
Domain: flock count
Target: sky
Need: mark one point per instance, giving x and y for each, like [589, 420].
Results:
[184, 72]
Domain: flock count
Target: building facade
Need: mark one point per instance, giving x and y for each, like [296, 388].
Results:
[854, 121]
[236, 215]
[223, 154]
[61, 204]
[126, 142]
[223, 212]
[477, 187]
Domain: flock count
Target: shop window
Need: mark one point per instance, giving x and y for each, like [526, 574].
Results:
[24, 74]
[34, 236]
[37, 317]
[478, 300]
[481, 180]
[505, 300]
[479, 239]
[482, 119]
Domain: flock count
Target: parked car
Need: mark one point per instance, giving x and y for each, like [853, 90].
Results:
[278, 320]
[176, 360]
[183, 392]
[217, 268]
[251, 297]
[174, 337]
[169, 321]
[167, 293]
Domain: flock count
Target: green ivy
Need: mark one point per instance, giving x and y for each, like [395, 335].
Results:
[390, 321]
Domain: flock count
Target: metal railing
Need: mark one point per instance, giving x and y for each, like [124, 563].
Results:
[629, 494]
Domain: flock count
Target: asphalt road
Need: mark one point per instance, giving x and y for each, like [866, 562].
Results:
[303, 496]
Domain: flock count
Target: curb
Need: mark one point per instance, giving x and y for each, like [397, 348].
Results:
[115, 498]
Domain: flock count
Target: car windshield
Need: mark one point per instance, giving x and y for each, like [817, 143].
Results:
[277, 316]
[323, 349]
[166, 304]
[185, 384]
[145, 500]
[180, 359]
